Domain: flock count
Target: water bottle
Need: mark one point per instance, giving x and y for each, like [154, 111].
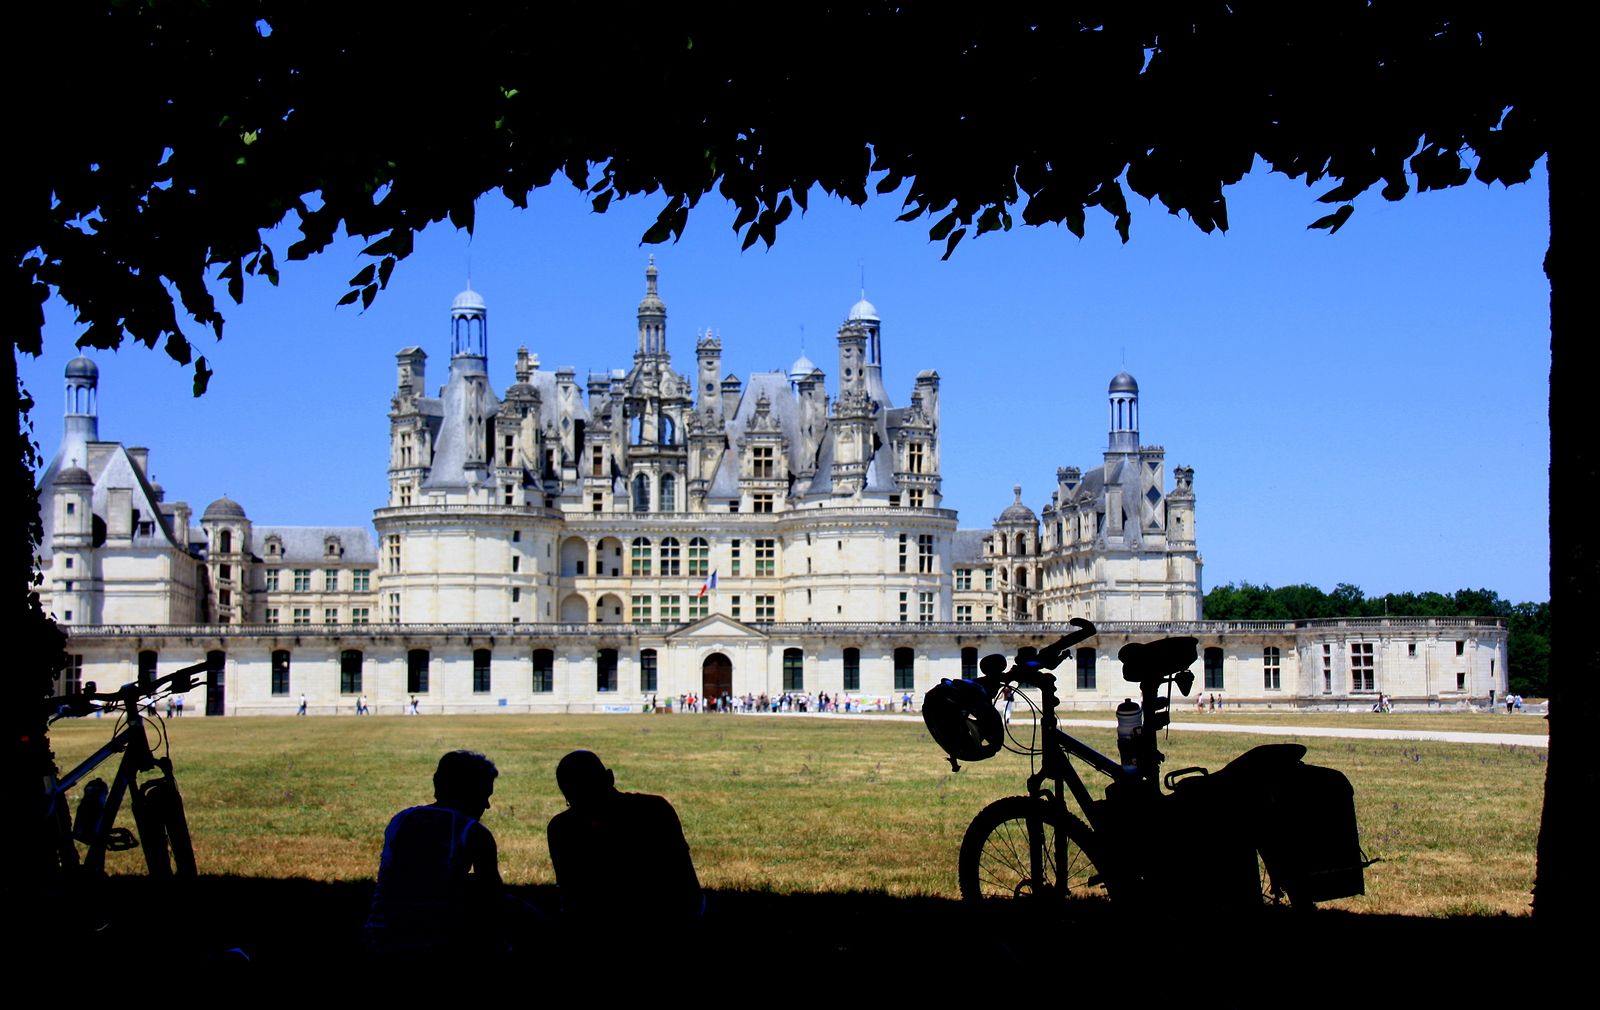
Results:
[1130, 722]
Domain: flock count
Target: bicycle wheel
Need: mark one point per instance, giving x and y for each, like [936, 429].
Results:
[177, 825]
[163, 829]
[1023, 848]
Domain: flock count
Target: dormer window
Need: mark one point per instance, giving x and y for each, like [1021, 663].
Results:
[332, 547]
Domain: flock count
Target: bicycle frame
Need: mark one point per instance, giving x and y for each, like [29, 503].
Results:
[137, 758]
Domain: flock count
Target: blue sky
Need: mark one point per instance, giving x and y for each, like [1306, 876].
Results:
[1369, 407]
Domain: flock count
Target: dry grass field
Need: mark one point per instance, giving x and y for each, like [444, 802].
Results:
[799, 805]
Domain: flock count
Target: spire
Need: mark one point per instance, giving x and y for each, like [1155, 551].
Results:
[652, 315]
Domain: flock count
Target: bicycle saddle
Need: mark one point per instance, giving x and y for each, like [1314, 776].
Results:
[1153, 662]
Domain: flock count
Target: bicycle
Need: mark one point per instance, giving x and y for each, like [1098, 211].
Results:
[157, 806]
[1301, 819]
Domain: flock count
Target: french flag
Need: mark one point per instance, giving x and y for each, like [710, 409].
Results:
[709, 585]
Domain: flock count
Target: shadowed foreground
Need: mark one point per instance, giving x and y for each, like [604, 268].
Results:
[297, 932]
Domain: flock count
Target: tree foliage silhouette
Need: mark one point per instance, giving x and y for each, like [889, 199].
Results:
[165, 137]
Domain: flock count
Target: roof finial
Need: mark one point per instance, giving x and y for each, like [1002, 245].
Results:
[1016, 490]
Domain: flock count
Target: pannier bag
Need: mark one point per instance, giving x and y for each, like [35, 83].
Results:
[1308, 835]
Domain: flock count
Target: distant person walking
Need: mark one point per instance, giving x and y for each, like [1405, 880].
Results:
[302, 709]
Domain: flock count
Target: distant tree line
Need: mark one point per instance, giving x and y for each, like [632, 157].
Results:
[1529, 623]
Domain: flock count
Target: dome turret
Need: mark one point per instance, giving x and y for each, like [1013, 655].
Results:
[74, 475]
[1124, 383]
[82, 368]
[1016, 511]
[222, 508]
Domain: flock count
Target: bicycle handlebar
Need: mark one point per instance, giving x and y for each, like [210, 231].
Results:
[1032, 665]
[83, 702]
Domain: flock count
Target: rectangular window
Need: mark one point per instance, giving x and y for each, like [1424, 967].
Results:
[605, 670]
[1213, 667]
[544, 671]
[733, 557]
[1271, 669]
[1361, 671]
[302, 580]
[1411, 650]
[699, 606]
[597, 461]
[598, 504]
[394, 552]
[361, 580]
[280, 671]
[733, 504]
[394, 608]
[330, 580]
[508, 449]
[481, 664]
[647, 670]
[360, 615]
[301, 615]
[988, 580]
[224, 596]
[852, 669]
[641, 610]
[766, 558]
[761, 503]
[671, 611]
[766, 608]
[988, 613]
[963, 579]
[925, 553]
[699, 558]
[1085, 658]
[516, 595]
[964, 613]
[914, 498]
[405, 495]
[905, 669]
[669, 557]
[1461, 648]
[516, 562]
[903, 608]
[330, 615]
[914, 457]
[902, 554]
[733, 607]
[417, 671]
[794, 670]
[969, 663]
[924, 607]
[272, 615]
[1327, 669]
[350, 671]
[72, 675]
[761, 466]
[224, 572]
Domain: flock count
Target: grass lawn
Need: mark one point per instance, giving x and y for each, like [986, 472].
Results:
[794, 805]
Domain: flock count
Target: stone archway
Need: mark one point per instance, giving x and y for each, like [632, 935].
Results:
[716, 676]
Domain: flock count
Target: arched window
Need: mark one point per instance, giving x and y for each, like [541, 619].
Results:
[640, 559]
[669, 493]
[1022, 578]
[668, 430]
[852, 669]
[969, 663]
[481, 661]
[669, 554]
[641, 493]
[794, 670]
[699, 558]
[417, 671]
[647, 669]
[1022, 544]
[905, 669]
[1086, 669]
[147, 666]
[350, 671]
[280, 671]
[605, 670]
[225, 542]
[544, 671]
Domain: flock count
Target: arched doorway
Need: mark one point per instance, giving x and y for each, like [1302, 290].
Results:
[716, 676]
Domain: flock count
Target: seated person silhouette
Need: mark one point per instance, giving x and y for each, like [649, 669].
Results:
[439, 887]
[619, 857]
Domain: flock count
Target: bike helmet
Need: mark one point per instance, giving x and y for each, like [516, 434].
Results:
[962, 719]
